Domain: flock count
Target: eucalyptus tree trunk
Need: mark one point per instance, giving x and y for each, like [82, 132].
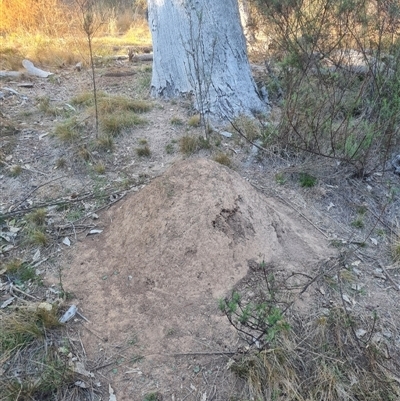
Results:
[200, 51]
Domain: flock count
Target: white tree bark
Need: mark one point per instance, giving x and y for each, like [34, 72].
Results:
[246, 20]
[200, 50]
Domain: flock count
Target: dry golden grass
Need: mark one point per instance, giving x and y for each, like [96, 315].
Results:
[48, 32]
[28, 15]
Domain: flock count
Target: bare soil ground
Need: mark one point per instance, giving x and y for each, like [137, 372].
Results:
[179, 233]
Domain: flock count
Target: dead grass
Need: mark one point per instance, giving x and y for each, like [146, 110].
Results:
[223, 158]
[105, 142]
[31, 338]
[176, 121]
[84, 153]
[86, 99]
[51, 33]
[99, 168]
[117, 104]
[115, 114]
[37, 217]
[395, 249]
[113, 124]
[143, 151]
[249, 127]
[15, 170]
[69, 130]
[194, 121]
[188, 144]
[191, 144]
[37, 237]
[320, 355]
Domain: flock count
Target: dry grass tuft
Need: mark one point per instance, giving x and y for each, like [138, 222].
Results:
[113, 124]
[194, 121]
[105, 142]
[99, 168]
[37, 217]
[188, 144]
[38, 237]
[86, 99]
[249, 127]
[176, 121]
[191, 144]
[15, 170]
[69, 130]
[143, 151]
[117, 104]
[223, 158]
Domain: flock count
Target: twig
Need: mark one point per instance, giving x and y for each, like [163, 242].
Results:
[39, 186]
[13, 287]
[393, 267]
[294, 208]
[238, 130]
[190, 393]
[59, 202]
[316, 277]
[92, 332]
[83, 317]
[396, 286]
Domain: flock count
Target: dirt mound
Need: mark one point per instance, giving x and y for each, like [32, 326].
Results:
[166, 256]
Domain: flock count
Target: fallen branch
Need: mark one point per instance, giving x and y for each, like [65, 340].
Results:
[39, 186]
[13, 287]
[32, 70]
[60, 203]
[7, 74]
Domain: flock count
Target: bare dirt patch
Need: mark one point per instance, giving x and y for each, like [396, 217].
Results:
[166, 255]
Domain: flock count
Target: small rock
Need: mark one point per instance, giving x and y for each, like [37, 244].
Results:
[361, 333]
[324, 311]
[379, 274]
[347, 299]
[92, 232]
[80, 384]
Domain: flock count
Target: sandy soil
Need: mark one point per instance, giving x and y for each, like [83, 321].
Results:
[166, 256]
[182, 236]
